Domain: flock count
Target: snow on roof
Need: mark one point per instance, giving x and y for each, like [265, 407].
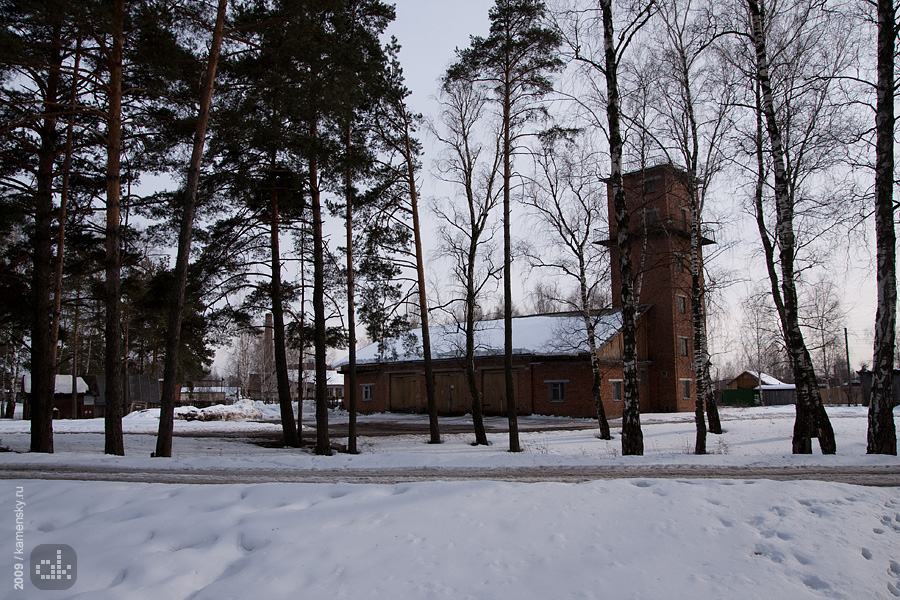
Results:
[63, 384]
[765, 378]
[560, 334]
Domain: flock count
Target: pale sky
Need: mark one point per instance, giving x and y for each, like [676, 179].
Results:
[429, 31]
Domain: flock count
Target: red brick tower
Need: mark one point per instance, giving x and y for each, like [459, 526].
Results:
[660, 221]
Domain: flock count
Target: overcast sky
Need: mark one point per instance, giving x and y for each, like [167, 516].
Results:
[429, 31]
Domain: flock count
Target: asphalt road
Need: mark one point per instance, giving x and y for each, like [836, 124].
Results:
[887, 476]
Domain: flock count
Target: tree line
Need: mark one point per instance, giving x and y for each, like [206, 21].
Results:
[276, 116]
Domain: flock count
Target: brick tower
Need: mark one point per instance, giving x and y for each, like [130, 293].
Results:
[660, 221]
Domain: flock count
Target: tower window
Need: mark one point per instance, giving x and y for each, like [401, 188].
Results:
[682, 304]
[686, 389]
[683, 346]
[685, 219]
[679, 262]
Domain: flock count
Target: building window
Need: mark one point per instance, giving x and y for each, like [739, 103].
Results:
[557, 390]
[650, 186]
[367, 392]
[616, 389]
[682, 304]
[685, 219]
[643, 376]
[683, 346]
[686, 389]
[679, 262]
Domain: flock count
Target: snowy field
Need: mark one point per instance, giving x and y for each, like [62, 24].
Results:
[630, 538]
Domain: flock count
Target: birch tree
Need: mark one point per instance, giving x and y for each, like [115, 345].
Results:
[468, 226]
[882, 434]
[811, 417]
[598, 38]
[570, 204]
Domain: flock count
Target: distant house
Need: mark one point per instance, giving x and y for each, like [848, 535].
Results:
[264, 386]
[749, 380]
[207, 392]
[64, 406]
[755, 388]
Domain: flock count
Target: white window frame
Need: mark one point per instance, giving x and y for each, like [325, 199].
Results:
[620, 385]
[562, 389]
[367, 391]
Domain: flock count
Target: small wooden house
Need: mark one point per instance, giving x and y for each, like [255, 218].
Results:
[65, 406]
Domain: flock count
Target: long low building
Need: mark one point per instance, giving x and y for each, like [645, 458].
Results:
[551, 368]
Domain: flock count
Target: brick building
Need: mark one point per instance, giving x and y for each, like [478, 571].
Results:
[551, 362]
[551, 368]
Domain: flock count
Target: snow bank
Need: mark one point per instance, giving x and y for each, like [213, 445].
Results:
[241, 410]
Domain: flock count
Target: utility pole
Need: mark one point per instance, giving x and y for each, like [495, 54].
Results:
[849, 372]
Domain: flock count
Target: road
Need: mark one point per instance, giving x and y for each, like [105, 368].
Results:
[886, 476]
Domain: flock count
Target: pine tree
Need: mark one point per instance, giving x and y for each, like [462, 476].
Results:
[515, 61]
[188, 211]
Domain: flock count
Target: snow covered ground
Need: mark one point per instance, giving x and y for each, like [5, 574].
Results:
[630, 538]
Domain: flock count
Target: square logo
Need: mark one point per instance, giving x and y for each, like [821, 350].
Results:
[53, 567]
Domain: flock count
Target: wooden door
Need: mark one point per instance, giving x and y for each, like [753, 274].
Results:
[403, 393]
[494, 391]
[450, 393]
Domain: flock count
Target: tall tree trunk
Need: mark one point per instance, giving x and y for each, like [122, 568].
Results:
[182, 260]
[282, 381]
[511, 407]
[43, 367]
[9, 410]
[811, 416]
[596, 375]
[63, 207]
[632, 436]
[75, 353]
[323, 442]
[115, 443]
[882, 434]
[477, 409]
[351, 304]
[433, 426]
[697, 319]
